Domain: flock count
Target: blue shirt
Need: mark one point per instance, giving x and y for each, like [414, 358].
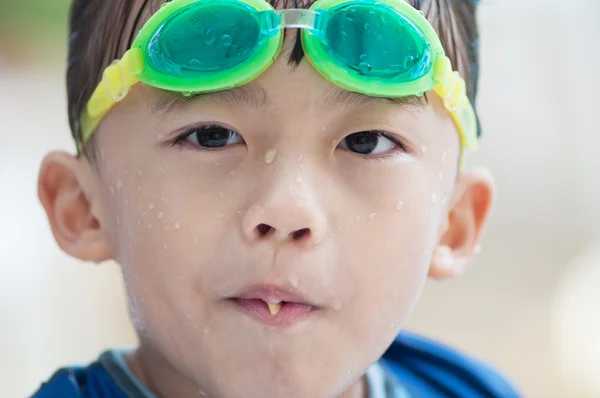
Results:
[412, 367]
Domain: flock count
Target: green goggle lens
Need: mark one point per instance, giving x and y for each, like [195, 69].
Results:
[376, 41]
[205, 37]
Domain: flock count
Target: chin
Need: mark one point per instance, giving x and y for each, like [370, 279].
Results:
[263, 381]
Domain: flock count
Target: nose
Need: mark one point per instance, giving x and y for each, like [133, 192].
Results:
[285, 215]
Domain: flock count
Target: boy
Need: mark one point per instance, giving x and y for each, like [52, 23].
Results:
[276, 183]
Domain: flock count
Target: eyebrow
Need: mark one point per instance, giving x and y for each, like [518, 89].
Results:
[339, 98]
[256, 97]
[249, 95]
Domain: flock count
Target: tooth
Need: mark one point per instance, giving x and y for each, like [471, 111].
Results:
[274, 308]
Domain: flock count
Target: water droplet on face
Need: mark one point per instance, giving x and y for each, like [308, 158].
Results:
[220, 215]
[127, 202]
[160, 215]
[444, 155]
[364, 67]
[372, 215]
[477, 249]
[165, 247]
[141, 173]
[399, 205]
[294, 281]
[221, 194]
[445, 199]
[226, 40]
[409, 62]
[423, 149]
[357, 218]
[206, 329]
[270, 156]
[149, 226]
[186, 93]
[112, 191]
[119, 184]
[177, 225]
[151, 206]
[118, 220]
[433, 198]
[441, 174]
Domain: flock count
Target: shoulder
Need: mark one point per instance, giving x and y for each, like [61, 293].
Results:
[80, 382]
[428, 368]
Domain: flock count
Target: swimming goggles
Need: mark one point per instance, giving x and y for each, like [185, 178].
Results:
[380, 48]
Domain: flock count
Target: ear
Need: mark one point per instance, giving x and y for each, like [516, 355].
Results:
[461, 230]
[73, 208]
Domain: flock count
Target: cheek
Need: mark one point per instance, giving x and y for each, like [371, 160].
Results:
[387, 260]
[165, 228]
[387, 250]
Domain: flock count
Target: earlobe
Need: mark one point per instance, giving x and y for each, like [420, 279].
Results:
[63, 189]
[467, 215]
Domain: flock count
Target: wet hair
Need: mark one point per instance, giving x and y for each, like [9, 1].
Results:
[102, 30]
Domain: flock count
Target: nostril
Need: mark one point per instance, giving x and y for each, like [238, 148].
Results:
[301, 233]
[263, 230]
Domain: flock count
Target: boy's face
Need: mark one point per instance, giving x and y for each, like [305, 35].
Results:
[304, 190]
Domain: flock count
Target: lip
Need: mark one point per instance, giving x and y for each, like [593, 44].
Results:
[252, 301]
[272, 294]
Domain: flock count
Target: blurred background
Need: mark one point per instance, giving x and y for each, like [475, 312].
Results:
[530, 305]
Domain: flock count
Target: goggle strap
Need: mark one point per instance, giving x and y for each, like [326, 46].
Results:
[452, 89]
[116, 81]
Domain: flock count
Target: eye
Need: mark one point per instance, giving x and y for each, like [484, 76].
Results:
[370, 143]
[210, 137]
